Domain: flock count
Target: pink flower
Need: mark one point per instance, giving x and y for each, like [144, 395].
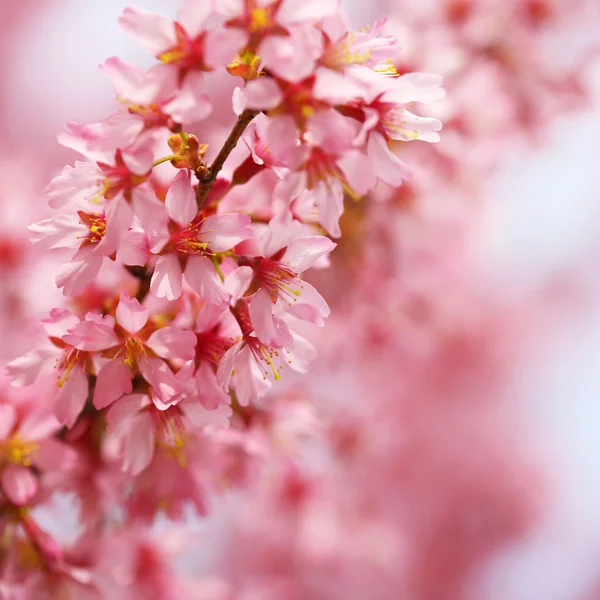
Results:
[88, 234]
[72, 363]
[155, 98]
[194, 43]
[186, 243]
[141, 426]
[252, 361]
[135, 348]
[19, 450]
[285, 253]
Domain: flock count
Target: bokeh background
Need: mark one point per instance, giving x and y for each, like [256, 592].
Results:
[496, 236]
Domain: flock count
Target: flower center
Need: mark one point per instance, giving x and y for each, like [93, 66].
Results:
[278, 279]
[17, 451]
[260, 18]
[96, 225]
[70, 359]
[169, 432]
[133, 350]
[189, 240]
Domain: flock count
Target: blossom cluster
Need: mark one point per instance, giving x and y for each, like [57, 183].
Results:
[150, 370]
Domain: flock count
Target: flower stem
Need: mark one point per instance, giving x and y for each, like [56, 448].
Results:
[206, 184]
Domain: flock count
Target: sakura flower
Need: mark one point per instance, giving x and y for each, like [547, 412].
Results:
[87, 233]
[285, 253]
[19, 450]
[193, 43]
[368, 47]
[71, 363]
[137, 346]
[142, 427]
[108, 174]
[186, 243]
[386, 117]
[252, 361]
[154, 98]
[279, 32]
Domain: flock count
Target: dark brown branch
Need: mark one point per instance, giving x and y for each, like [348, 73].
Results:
[210, 175]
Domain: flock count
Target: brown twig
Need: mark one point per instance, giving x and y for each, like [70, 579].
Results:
[210, 175]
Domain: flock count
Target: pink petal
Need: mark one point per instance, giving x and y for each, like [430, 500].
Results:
[199, 417]
[336, 88]
[292, 12]
[38, 425]
[155, 32]
[130, 82]
[134, 249]
[181, 199]
[238, 282]
[62, 231]
[25, 369]
[194, 14]
[301, 253]
[73, 276]
[330, 203]
[263, 94]
[166, 279]
[71, 398]
[222, 45]
[227, 365]
[124, 409]
[210, 393]
[119, 218]
[172, 342]
[58, 322]
[153, 216]
[281, 231]
[19, 484]
[131, 315]
[250, 383]
[261, 315]
[332, 131]
[226, 230]
[310, 305]
[91, 336]
[190, 104]
[202, 277]
[357, 170]
[114, 380]
[139, 444]
[8, 418]
[388, 167]
[74, 185]
[292, 57]
[166, 387]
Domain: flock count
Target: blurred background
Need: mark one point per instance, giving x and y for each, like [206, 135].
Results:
[491, 250]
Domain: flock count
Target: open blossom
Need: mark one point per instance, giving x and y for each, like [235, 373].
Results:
[20, 450]
[185, 241]
[285, 253]
[72, 365]
[138, 348]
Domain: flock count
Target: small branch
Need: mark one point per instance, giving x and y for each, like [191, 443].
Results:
[210, 176]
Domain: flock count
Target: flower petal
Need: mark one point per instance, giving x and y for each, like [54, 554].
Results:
[172, 342]
[113, 381]
[131, 315]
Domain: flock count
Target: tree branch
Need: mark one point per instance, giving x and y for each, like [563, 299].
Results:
[210, 175]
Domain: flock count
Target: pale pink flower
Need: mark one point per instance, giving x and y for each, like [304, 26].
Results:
[141, 426]
[72, 363]
[195, 42]
[19, 450]
[136, 347]
[94, 235]
[253, 363]
[155, 98]
[186, 243]
[285, 253]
